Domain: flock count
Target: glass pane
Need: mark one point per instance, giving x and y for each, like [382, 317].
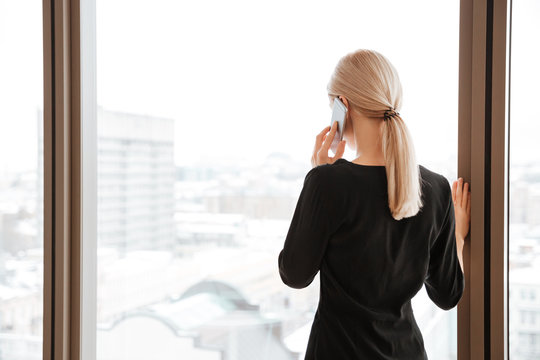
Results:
[524, 202]
[21, 179]
[207, 114]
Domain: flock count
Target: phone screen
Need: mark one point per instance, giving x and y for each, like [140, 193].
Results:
[339, 112]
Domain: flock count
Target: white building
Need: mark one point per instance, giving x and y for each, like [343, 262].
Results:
[524, 314]
[135, 181]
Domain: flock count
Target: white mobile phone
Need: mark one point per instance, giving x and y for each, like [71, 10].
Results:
[339, 112]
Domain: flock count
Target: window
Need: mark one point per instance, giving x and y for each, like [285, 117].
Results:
[191, 66]
[524, 212]
[205, 125]
[21, 180]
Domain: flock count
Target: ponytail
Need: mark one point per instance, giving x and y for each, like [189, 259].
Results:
[402, 172]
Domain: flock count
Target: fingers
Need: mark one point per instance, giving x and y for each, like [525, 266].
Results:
[320, 138]
[340, 151]
[461, 195]
[330, 137]
[459, 192]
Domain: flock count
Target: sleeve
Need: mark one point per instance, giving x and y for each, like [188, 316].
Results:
[444, 281]
[311, 227]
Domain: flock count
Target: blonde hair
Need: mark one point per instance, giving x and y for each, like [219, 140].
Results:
[371, 85]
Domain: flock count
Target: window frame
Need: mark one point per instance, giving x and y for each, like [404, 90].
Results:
[62, 180]
[484, 60]
[70, 210]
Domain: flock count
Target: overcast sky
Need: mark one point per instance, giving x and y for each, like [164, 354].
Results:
[243, 79]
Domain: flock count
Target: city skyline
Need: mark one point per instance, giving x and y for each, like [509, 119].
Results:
[228, 223]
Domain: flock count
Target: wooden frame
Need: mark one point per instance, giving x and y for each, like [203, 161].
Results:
[62, 179]
[500, 181]
[69, 95]
[483, 162]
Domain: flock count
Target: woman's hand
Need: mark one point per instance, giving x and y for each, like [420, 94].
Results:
[461, 196]
[322, 145]
[462, 207]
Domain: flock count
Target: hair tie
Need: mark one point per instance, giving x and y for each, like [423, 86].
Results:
[388, 114]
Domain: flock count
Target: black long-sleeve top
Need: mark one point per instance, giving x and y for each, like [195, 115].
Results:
[370, 264]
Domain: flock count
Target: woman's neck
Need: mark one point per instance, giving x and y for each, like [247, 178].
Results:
[367, 138]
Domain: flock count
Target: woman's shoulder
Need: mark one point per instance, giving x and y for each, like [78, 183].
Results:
[332, 174]
[333, 179]
[436, 186]
[433, 178]
[342, 173]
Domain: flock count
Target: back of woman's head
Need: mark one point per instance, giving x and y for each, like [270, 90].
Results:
[371, 85]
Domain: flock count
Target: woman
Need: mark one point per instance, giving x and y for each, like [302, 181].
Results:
[377, 227]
